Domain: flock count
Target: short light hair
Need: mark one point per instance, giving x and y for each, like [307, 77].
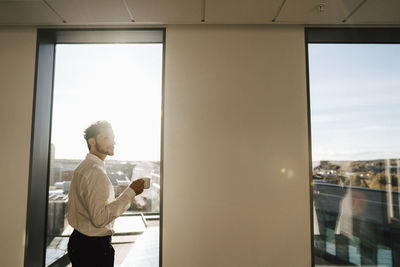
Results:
[94, 129]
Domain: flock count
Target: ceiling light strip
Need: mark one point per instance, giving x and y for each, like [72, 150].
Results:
[279, 11]
[354, 11]
[55, 12]
[128, 10]
[203, 10]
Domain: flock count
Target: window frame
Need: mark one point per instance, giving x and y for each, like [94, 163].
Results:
[39, 170]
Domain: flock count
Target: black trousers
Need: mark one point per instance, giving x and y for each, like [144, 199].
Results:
[90, 251]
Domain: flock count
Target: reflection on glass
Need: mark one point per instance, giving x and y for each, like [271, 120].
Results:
[355, 106]
[120, 83]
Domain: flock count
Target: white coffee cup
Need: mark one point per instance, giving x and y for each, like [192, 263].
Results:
[146, 182]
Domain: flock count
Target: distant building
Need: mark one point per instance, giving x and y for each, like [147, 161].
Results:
[67, 175]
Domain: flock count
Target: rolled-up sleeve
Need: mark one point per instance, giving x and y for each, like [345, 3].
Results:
[99, 198]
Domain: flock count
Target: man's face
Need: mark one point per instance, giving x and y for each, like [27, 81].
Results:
[105, 142]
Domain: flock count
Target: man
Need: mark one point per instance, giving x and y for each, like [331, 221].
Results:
[92, 207]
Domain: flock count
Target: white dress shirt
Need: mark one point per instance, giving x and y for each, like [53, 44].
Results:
[92, 207]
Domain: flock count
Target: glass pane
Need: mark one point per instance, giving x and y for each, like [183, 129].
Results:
[355, 111]
[120, 83]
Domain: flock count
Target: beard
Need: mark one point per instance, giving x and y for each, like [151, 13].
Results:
[109, 151]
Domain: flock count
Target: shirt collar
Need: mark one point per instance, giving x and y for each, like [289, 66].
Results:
[95, 159]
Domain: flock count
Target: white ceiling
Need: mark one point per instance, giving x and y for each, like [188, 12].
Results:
[148, 12]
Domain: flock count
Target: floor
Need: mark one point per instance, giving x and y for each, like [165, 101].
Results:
[144, 252]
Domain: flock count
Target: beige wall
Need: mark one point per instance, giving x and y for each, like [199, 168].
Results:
[17, 69]
[235, 117]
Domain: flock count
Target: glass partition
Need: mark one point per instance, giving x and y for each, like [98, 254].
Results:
[354, 114]
[120, 83]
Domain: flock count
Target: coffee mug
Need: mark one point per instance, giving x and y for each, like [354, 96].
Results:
[146, 182]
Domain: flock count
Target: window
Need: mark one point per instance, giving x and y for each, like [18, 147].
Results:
[354, 106]
[85, 76]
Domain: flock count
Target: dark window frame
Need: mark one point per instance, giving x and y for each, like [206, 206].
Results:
[326, 35]
[37, 205]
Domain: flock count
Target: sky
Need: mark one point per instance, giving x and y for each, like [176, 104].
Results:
[120, 83]
[355, 101]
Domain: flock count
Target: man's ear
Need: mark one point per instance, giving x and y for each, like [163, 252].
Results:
[92, 142]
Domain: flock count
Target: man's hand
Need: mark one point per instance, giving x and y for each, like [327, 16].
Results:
[137, 186]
